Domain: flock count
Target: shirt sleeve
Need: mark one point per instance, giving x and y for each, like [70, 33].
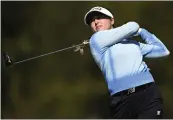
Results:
[108, 38]
[153, 47]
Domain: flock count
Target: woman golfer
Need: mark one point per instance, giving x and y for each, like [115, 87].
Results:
[133, 92]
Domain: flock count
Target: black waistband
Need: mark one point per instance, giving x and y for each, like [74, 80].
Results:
[133, 90]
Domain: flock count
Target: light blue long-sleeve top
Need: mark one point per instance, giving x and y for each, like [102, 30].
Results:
[121, 59]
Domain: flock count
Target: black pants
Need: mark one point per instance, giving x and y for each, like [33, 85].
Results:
[144, 103]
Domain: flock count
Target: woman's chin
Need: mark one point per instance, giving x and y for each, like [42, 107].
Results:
[99, 29]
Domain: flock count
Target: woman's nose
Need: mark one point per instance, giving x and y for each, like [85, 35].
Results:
[96, 21]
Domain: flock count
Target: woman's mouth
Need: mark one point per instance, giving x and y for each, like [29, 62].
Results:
[98, 26]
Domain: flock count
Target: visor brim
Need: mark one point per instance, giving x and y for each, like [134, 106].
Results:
[93, 14]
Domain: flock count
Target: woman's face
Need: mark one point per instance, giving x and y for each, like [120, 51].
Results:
[99, 23]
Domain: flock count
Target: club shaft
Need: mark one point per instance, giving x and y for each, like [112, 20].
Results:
[46, 54]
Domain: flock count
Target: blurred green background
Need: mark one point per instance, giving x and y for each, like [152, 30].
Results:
[66, 84]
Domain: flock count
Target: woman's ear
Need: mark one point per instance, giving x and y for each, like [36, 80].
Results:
[112, 21]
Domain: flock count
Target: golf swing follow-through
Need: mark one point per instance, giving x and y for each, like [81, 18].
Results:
[133, 92]
[132, 88]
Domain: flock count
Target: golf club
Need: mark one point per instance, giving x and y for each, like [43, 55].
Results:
[9, 61]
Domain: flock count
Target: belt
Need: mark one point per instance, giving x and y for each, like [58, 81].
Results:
[133, 90]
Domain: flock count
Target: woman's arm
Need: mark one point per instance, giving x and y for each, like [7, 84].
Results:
[153, 48]
[108, 38]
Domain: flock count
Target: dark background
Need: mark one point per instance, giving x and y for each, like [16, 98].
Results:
[66, 84]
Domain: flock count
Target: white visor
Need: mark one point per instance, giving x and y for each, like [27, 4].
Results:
[96, 9]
